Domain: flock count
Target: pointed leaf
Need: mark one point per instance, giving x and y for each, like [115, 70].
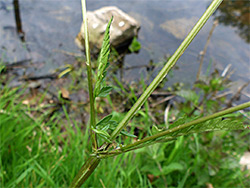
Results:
[105, 50]
[105, 128]
[105, 138]
[104, 121]
[113, 123]
[125, 133]
[101, 132]
[171, 167]
[155, 130]
[103, 60]
[104, 91]
[211, 125]
[219, 124]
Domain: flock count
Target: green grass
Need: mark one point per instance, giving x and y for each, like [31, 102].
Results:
[37, 153]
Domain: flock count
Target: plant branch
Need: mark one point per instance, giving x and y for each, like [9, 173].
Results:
[166, 68]
[86, 170]
[89, 73]
[89, 166]
[185, 125]
[147, 141]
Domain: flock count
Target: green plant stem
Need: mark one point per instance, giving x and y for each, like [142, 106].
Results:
[92, 163]
[147, 141]
[86, 170]
[166, 68]
[89, 73]
[189, 124]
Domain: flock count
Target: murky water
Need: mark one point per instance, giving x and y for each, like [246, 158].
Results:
[50, 27]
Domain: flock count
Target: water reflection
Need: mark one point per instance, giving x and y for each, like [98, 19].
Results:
[18, 20]
[236, 14]
[51, 26]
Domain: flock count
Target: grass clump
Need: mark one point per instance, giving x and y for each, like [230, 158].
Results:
[34, 150]
[47, 149]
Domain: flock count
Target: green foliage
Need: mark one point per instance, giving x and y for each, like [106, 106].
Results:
[192, 163]
[2, 68]
[33, 151]
[36, 153]
[103, 64]
[189, 95]
[135, 45]
[47, 151]
[104, 121]
[212, 83]
[123, 132]
[101, 90]
[155, 130]
[104, 91]
[103, 125]
[165, 170]
[106, 124]
[216, 124]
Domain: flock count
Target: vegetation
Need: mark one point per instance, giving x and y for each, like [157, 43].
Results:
[38, 153]
[41, 147]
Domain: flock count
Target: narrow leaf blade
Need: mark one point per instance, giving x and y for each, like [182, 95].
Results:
[101, 132]
[104, 121]
[105, 91]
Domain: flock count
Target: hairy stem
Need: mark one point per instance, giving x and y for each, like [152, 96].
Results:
[189, 124]
[166, 68]
[86, 170]
[146, 141]
[93, 161]
[89, 73]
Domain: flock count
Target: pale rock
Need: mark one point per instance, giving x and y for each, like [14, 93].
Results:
[179, 27]
[123, 28]
[245, 160]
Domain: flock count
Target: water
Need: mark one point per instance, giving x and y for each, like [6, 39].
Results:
[50, 26]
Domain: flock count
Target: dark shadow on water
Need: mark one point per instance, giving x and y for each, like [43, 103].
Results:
[18, 20]
[236, 14]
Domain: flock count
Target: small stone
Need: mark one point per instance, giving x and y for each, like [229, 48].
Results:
[245, 160]
[179, 27]
[123, 28]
